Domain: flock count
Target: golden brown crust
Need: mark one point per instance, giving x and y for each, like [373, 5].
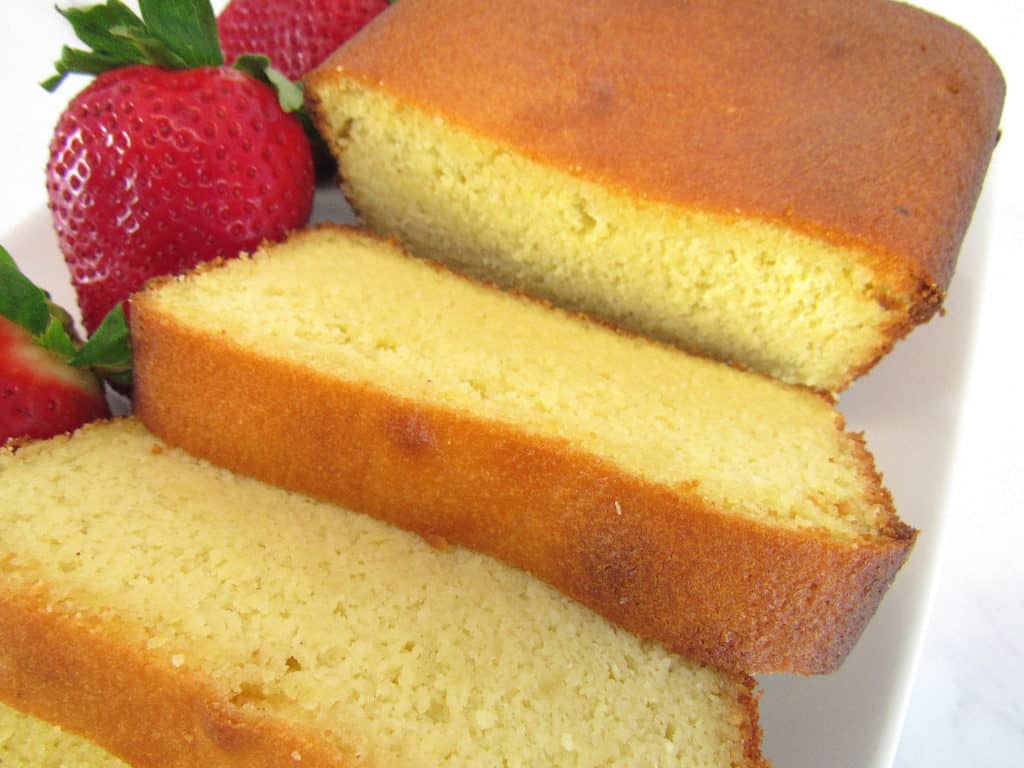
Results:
[77, 671]
[659, 561]
[867, 124]
[753, 734]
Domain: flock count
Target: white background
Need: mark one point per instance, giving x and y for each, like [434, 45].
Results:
[967, 703]
[966, 706]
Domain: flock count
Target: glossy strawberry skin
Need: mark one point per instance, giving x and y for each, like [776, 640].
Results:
[297, 35]
[152, 171]
[41, 396]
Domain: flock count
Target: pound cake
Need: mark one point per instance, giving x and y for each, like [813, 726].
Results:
[27, 742]
[180, 615]
[722, 513]
[784, 186]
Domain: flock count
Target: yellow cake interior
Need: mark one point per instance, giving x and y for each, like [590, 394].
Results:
[333, 620]
[357, 308]
[27, 742]
[735, 289]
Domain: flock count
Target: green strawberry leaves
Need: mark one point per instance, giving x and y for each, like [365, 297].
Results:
[107, 352]
[186, 27]
[57, 338]
[176, 34]
[93, 25]
[179, 34]
[21, 301]
[289, 94]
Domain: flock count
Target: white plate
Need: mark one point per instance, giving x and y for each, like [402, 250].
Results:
[908, 408]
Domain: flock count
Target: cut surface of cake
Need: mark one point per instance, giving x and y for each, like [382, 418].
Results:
[28, 742]
[179, 614]
[722, 513]
[784, 186]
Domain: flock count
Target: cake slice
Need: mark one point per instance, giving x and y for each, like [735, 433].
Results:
[719, 512]
[180, 615]
[27, 742]
[781, 185]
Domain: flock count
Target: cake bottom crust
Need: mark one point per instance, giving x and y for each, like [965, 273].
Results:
[81, 673]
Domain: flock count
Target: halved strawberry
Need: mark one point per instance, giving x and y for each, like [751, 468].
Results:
[40, 394]
[50, 383]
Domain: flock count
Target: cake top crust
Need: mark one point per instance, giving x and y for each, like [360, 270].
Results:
[869, 124]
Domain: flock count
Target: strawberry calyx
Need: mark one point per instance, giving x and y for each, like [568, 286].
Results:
[107, 353]
[172, 34]
[175, 35]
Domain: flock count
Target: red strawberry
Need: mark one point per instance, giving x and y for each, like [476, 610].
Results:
[296, 34]
[48, 380]
[41, 395]
[153, 170]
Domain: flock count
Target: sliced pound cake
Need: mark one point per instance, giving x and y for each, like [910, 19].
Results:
[781, 185]
[180, 615]
[722, 513]
[27, 742]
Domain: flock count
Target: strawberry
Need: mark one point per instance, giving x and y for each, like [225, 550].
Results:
[296, 34]
[49, 382]
[40, 394]
[154, 169]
